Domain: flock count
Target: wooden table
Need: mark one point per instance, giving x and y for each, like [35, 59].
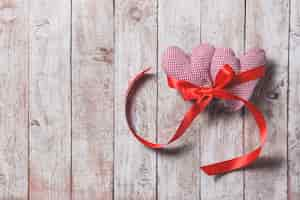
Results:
[64, 68]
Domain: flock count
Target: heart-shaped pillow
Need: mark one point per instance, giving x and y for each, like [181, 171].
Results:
[202, 66]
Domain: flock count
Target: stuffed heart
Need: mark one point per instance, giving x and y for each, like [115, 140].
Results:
[209, 73]
[202, 66]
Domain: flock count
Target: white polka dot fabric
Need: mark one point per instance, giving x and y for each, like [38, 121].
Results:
[201, 67]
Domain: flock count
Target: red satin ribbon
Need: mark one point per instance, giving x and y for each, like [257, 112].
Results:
[202, 97]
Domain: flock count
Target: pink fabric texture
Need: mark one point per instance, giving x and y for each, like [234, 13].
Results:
[201, 68]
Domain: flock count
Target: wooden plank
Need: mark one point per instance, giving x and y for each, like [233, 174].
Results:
[178, 167]
[135, 165]
[294, 104]
[92, 99]
[50, 95]
[13, 100]
[222, 135]
[267, 27]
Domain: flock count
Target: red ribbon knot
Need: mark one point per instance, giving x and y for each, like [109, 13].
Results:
[225, 78]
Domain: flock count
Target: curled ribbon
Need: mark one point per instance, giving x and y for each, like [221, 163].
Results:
[202, 96]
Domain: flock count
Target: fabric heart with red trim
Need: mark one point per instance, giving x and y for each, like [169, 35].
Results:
[202, 66]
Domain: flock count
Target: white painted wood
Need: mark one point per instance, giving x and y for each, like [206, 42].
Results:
[178, 167]
[294, 105]
[36, 77]
[267, 27]
[13, 100]
[92, 99]
[50, 95]
[222, 136]
[135, 165]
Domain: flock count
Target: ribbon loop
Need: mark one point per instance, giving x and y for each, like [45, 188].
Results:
[224, 77]
[202, 97]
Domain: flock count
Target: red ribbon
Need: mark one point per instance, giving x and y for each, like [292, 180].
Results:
[202, 97]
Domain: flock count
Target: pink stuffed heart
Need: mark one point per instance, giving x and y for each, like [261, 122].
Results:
[201, 67]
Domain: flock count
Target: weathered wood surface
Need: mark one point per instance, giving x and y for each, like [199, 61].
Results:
[50, 100]
[65, 65]
[294, 104]
[179, 25]
[222, 136]
[92, 99]
[267, 26]
[135, 47]
[13, 100]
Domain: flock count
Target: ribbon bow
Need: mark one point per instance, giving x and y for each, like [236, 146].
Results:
[202, 96]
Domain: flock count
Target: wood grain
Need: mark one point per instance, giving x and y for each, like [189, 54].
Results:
[50, 95]
[65, 65]
[267, 27]
[13, 100]
[294, 104]
[179, 24]
[135, 165]
[222, 136]
[92, 99]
